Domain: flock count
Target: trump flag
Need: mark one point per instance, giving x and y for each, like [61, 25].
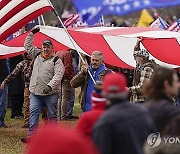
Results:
[91, 10]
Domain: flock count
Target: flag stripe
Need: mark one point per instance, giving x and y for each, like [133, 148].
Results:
[12, 54]
[23, 17]
[71, 20]
[23, 21]
[3, 3]
[13, 8]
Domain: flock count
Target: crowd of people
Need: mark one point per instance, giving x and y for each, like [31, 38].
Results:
[121, 107]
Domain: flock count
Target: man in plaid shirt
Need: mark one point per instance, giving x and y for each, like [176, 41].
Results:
[142, 73]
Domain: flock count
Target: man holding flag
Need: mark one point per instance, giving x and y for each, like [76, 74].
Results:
[47, 73]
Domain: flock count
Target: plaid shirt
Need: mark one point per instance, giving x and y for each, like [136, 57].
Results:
[145, 72]
[24, 67]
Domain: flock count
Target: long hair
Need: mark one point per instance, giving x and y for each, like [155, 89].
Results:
[155, 87]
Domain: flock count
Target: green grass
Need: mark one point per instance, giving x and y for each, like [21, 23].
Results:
[10, 137]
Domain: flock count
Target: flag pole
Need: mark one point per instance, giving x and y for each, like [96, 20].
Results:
[42, 18]
[71, 39]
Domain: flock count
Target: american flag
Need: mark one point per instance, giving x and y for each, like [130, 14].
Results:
[175, 26]
[17, 13]
[71, 20]
[159, 23]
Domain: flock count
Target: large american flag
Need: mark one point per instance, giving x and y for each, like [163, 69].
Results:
[116, 43]
[14, 14]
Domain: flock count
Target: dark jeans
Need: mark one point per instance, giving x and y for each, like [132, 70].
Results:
[16, 105]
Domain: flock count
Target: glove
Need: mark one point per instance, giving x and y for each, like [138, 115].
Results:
[47, 89]
[35, 30]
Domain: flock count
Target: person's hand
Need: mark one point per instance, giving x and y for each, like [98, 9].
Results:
[3, 84]
[35, 30]
[98, 85]
[140, 39]
[47, 89]
[85, 67]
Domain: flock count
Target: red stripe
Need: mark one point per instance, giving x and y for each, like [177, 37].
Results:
[15, 10]
[38, 39]
[165, 50]
[12, 55]
[23, 22]
[3, 3]
[93, 42]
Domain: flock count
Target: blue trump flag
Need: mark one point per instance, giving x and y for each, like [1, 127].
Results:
[90, 11]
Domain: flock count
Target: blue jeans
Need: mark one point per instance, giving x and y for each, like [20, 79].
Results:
[3, 104]
[37, 102]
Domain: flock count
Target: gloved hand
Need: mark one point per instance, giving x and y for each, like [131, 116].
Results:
[35, 30]
[47, 89]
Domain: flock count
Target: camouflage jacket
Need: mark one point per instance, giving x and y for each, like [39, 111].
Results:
[24, 67]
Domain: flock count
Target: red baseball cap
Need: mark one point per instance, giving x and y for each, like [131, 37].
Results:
[114, 84]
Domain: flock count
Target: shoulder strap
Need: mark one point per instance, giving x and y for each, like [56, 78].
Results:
[55, 59]
[37, 55]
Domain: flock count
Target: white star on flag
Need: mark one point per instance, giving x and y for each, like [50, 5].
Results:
[147, 2]
[136, 4]
[126, 7]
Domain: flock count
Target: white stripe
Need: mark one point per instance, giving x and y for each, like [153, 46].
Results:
[8, 50]
[24, 13]
[98, 99]
[10, 6]
[60, 36]
[154, 34]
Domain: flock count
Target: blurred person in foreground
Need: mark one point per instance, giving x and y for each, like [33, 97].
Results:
[160, 91]
[98, 69]
[124, 127]
[45, 81]
[87, 120]
[142, 73]
[54, 139]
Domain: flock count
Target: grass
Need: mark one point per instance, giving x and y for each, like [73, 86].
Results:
[10, 137]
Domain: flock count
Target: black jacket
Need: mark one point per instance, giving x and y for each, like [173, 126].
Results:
[162, 111]
[123, 129]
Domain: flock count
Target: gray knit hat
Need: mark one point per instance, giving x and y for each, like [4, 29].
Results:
[142, 53]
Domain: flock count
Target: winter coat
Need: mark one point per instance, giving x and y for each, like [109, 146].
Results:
[123, 129]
